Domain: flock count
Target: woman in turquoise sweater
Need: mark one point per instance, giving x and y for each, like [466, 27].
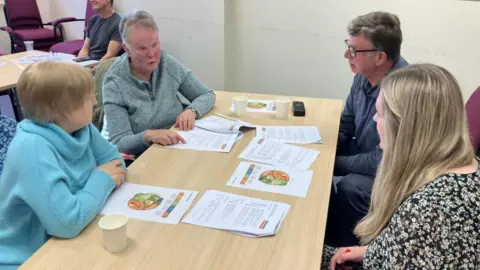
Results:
[59, 171]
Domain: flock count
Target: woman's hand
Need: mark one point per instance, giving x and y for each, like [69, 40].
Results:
[115, 171]
[345, 255]
[186, 120]
[163, 137]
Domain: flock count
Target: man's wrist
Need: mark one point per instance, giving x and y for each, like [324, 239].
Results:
[197, 115]
[146, 136]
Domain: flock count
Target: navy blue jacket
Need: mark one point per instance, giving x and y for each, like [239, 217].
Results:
[358, 142]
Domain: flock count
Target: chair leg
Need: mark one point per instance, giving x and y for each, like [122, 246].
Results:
[12, 45]
[12, 93]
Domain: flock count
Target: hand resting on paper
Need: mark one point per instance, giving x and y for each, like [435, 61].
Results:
[186, 120]
[163, 137]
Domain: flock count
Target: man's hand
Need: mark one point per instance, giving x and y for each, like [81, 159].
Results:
[186, 120]
[163, 137]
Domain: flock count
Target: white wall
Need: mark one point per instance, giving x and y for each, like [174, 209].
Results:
[294, 47]
[192, 31]
[4, 39]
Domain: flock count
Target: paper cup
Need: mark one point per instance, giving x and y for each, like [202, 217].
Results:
[114, 227]
[28, 45]
[240, 105]
[281, 107]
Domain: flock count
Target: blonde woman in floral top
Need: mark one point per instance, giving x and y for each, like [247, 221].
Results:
[425, 209]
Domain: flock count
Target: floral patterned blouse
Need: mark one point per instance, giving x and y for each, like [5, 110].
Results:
[438, 227]
[7, 131]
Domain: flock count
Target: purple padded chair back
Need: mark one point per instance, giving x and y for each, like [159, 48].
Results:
[22, 14]
[473, 115]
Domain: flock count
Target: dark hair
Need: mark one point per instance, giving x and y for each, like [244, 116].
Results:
[382, 29]
[111, 2]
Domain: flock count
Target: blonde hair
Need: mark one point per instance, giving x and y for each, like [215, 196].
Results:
[425, 135]
[49, 91]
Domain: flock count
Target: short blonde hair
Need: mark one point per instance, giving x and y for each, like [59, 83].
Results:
[48, 91]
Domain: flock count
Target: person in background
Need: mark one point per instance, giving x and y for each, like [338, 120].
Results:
[103, 39]
[425, 212]
[372, 51]
[58, 171]
[141, 90]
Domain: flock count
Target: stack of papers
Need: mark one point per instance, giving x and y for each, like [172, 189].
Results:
[205, 140]
[222, 124]
[276, 179]
[256, 105]
[290, 134]
[163, 205]
[279, 154]
[238, 214]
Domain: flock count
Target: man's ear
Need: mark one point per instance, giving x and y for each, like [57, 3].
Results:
[381, 58]
[126, 49]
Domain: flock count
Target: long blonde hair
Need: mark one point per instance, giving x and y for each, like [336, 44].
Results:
[425, 134]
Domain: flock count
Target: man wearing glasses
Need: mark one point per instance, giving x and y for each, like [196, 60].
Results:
[372, 51]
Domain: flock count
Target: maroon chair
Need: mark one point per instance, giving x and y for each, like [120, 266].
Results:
[74, 46]
[25, 23]
[473, 115]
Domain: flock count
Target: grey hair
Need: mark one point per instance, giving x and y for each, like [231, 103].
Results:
[139, 18]
[382, 29]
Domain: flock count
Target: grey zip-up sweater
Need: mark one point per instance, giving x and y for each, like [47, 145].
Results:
[358, 129]
[133, 106]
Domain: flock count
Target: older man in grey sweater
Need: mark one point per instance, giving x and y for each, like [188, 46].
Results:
[140, 91]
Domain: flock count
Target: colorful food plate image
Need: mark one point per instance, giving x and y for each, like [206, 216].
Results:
[256, 105]
[145, 201]
[274, 177]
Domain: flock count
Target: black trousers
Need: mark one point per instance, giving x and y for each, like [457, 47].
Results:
[349, 203]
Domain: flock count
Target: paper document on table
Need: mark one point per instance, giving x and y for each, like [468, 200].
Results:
[205, 140]
[256, 105]
[39, 57]
[276, 179]
[290, 134]
[279, 154]
[158, 204]
[238, 214]
[222, 124]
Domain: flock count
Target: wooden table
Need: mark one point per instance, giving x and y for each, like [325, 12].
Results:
[10, 72]
[298, 244]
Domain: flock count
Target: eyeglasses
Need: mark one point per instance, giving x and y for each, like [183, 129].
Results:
[353, 51]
